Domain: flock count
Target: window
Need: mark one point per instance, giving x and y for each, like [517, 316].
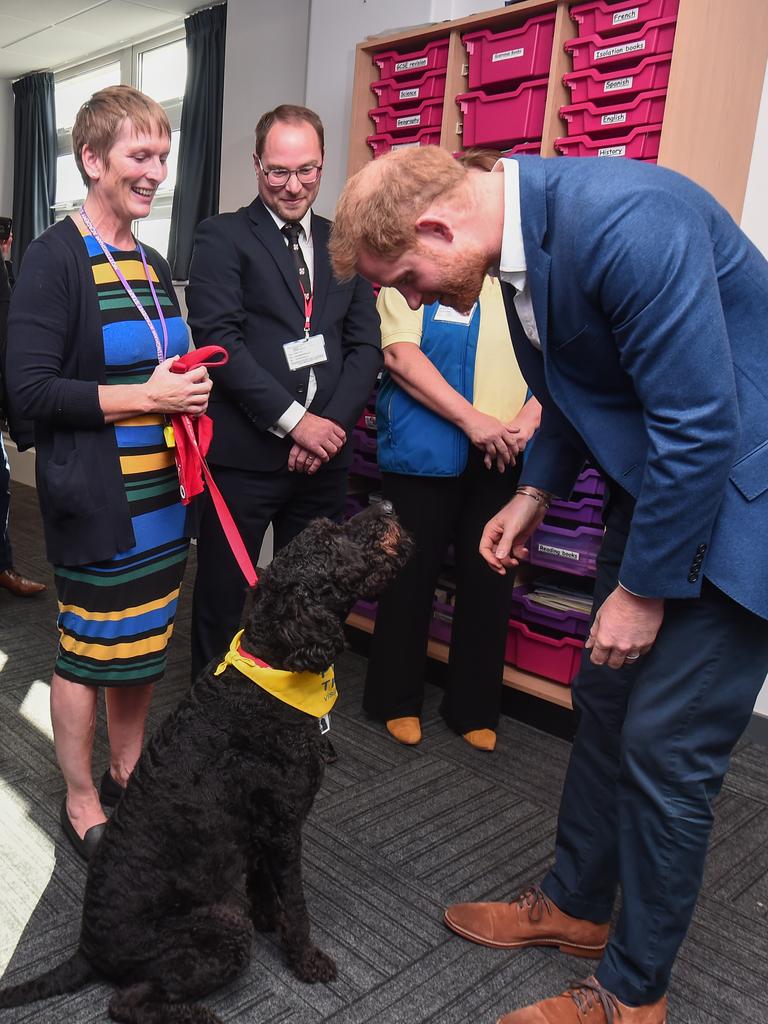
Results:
[157, 67]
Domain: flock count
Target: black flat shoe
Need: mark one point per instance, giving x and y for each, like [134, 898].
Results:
[110, 791]
[85, 846]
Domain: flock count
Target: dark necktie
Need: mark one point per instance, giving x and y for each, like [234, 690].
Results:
[292, 231]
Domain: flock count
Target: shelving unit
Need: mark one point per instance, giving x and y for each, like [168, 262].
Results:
[716, 80]
[708, 126]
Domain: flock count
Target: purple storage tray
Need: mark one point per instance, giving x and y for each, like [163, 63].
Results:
[589, 482]
[587, 511]
[572, 622]
[572, 551]
[365, 465]
[442, 622]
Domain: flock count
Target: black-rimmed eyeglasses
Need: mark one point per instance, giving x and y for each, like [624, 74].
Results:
[278, 177]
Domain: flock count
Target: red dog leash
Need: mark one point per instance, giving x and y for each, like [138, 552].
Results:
[192, 438]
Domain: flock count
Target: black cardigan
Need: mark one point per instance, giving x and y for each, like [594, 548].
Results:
[54, 364]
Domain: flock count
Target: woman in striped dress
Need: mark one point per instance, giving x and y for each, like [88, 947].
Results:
[94, 329]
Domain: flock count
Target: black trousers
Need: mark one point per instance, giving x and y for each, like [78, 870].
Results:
[438, 510]
[287, 500]
[652, 747]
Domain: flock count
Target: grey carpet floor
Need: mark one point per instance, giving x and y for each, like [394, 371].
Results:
[396, 833]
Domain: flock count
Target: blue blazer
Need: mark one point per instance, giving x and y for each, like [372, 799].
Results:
[652, 308]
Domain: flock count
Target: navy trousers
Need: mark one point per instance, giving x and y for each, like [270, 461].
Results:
[6, 555]
[651, 750]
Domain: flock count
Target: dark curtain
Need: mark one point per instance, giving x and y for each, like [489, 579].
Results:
[197, 179]
[34, 160]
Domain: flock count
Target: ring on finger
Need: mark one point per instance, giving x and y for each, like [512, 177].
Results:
[631, 657]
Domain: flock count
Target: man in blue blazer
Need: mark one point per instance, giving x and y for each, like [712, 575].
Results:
[304, 352]
[639, 315]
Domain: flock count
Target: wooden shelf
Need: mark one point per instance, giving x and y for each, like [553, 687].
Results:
[535, 686]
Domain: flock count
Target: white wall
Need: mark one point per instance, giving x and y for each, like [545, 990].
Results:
[265, 64]
[754, 220]
[6, 150]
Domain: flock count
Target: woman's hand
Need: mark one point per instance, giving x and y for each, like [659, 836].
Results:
[498, 440]
[178, 392]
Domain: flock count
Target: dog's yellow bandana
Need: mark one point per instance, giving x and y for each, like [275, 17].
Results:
[310, 692]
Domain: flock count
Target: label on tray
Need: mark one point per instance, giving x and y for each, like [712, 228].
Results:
[612, 151]
[549, 549]
[630, 14]
[617, 84]
[618, 51]
[408, 94]
[614, 118]
[508, 54]
[405, 145]
[409, 65]
[408, 122]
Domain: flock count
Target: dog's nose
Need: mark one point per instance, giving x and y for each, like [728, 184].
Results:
[387, 508]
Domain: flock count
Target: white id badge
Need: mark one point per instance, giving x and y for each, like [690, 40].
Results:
[305, 352]
[447, 315]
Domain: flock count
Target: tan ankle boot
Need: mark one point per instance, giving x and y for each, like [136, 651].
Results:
[481, 739]
[587, 1002]
[405, 730]
[531, 920]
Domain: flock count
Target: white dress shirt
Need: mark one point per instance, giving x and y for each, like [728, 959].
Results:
[512, 266]
[295, 411]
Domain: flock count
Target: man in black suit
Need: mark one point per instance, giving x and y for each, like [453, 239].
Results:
[304, 351]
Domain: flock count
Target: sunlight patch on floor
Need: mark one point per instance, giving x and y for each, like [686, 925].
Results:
[36, 708]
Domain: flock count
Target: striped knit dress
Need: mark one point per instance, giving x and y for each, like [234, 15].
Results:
[116, 617]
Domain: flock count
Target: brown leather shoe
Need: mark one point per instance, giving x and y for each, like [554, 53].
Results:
[531, 920]
[480, 739]
[19, 585]
[587, 1002]
[405, 730]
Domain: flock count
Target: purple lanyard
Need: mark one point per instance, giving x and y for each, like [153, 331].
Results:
[161, 349]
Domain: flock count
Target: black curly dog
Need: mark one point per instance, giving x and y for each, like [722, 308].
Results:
[205, 845]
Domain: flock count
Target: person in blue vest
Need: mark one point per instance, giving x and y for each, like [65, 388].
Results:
[452, 420]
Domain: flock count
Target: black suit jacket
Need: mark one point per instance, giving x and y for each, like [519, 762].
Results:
[244, 294]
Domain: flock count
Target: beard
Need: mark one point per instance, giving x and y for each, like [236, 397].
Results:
[461, 278]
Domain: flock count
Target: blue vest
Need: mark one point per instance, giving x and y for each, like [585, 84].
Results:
[412, 439]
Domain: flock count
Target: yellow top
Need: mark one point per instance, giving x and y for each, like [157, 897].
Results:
[499, 387]
[310, 692]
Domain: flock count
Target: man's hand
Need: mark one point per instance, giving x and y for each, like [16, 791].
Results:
[498, 440]
[624, 629]
[300, 460]
[5, 247]
[503, 542]
[321, 437]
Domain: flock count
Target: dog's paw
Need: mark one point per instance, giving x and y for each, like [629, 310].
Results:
[314, 965]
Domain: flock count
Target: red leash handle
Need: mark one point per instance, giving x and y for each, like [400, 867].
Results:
[209, 355]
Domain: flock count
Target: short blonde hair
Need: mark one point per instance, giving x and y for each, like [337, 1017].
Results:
[379, 206]
[100, 118]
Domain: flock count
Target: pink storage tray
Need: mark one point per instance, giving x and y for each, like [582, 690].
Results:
[394, 92]
[651, 73]
[572, 551]
[533, 148]
[640, 144]
[607, 19]
[427, 114]
[504, 117]
[499, 57]
[599, 52]
[392, 64]
[534, 614]
[587, 511]
[587, 118]
[367, 419]
[385, 142]
[589, 481]
[543, 655]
